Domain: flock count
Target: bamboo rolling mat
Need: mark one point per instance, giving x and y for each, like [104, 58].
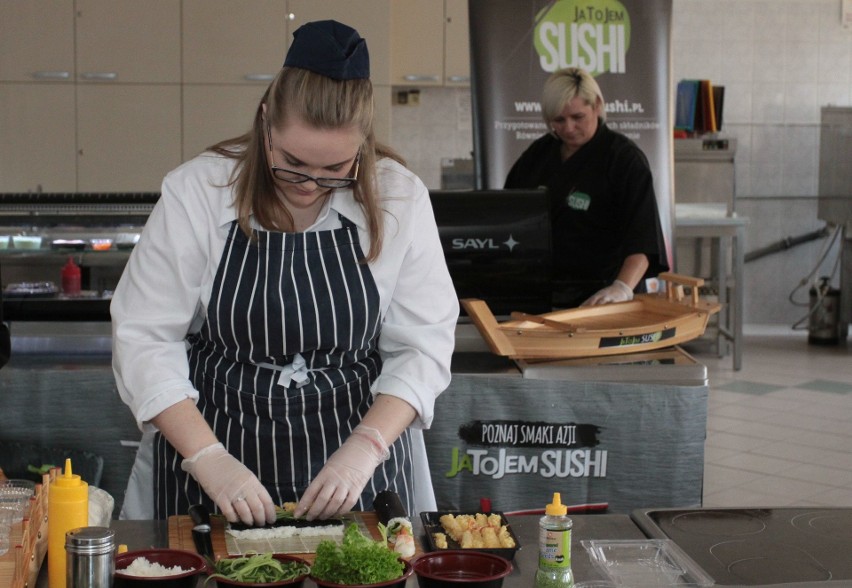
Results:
[180, 533]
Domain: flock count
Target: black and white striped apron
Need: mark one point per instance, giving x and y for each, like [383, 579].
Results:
[280, 302]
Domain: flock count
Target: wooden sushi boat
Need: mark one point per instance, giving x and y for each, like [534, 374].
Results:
[649, 321]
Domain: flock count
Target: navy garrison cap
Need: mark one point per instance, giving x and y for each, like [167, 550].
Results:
[329, 48]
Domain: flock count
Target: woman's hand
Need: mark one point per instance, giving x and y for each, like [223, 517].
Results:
[340, 482]
[618, 291]
[233, 487]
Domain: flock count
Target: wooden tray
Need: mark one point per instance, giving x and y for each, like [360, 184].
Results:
[649, 321]
[180, 534]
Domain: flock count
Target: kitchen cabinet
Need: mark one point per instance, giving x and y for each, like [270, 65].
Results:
[215, 112]
[36, 40]
[128, 93]
[37, 102]
[234, 41]
[128, 41]
[108, 95]
[232, 49]
[430, 43]
[37, 137]
[128, 136]
[101, 113]
[456, 43]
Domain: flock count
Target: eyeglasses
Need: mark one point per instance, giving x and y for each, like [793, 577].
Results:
[295, 177]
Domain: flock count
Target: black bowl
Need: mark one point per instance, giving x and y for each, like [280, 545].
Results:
[395, 583]
[461, 569]
[187, 560]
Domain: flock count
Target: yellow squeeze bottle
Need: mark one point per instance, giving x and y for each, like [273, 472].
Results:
[67, 508]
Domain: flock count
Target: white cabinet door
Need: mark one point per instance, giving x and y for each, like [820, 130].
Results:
[417, 43]
[234, 41]
[128, 41]
[213, 113]
[456, 44]
[37, 138]
[36, 40]
[128, 136]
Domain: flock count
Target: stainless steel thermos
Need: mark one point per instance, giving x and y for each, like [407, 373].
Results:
[90, 557]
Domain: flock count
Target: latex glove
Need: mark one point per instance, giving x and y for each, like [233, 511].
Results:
[233, 487]
[340, 482]
[618, 291]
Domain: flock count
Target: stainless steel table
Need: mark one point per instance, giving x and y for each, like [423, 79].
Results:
[146, 534]
[728, 234]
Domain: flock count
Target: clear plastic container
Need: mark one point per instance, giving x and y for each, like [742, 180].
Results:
[646, 563]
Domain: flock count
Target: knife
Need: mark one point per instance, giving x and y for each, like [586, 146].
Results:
[202, 533]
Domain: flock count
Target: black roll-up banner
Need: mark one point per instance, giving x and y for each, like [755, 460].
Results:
[624, 44]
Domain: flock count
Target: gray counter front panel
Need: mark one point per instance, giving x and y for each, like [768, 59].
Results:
[604, 445]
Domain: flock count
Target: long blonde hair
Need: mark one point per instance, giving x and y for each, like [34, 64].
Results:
[323, 103]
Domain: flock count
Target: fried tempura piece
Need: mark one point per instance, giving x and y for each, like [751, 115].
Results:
[505, 538]
[452, 527]
[440, 540]
[489, 538]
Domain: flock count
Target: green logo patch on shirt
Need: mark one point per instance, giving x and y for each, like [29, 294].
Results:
[579, 200]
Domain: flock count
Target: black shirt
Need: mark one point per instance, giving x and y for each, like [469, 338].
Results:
[603, 208]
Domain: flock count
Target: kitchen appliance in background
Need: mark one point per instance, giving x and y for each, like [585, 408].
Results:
[704, 171]
[835, 193]
[703, 174]
[497, 246]
[457, 174]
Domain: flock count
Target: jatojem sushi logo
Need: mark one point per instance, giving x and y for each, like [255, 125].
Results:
[591, 34]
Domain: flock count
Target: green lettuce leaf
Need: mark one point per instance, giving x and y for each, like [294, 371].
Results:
[357, 560]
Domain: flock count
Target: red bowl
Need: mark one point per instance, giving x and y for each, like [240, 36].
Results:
[461, 568]
[282, 557]
[192, 562]
[395, 583]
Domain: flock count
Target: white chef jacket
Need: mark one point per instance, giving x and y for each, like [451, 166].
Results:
[165, 288]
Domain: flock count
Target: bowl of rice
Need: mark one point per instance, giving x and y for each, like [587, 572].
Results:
[158, 568]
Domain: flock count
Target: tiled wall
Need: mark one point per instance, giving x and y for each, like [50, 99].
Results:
[439, 127]
[779, 60]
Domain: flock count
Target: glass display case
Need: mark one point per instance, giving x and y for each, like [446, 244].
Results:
[40, 232]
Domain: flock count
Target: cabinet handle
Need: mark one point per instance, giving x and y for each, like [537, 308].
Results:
[420, 78]
[458, 79]
[99, 75]
[51, 75]
[259, 77]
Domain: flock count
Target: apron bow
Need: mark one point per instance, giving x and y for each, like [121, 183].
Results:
[296, 372]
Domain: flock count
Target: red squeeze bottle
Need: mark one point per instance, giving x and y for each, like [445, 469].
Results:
[71, 278]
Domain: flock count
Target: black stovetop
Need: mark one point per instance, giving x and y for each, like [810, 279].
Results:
[760, 546]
